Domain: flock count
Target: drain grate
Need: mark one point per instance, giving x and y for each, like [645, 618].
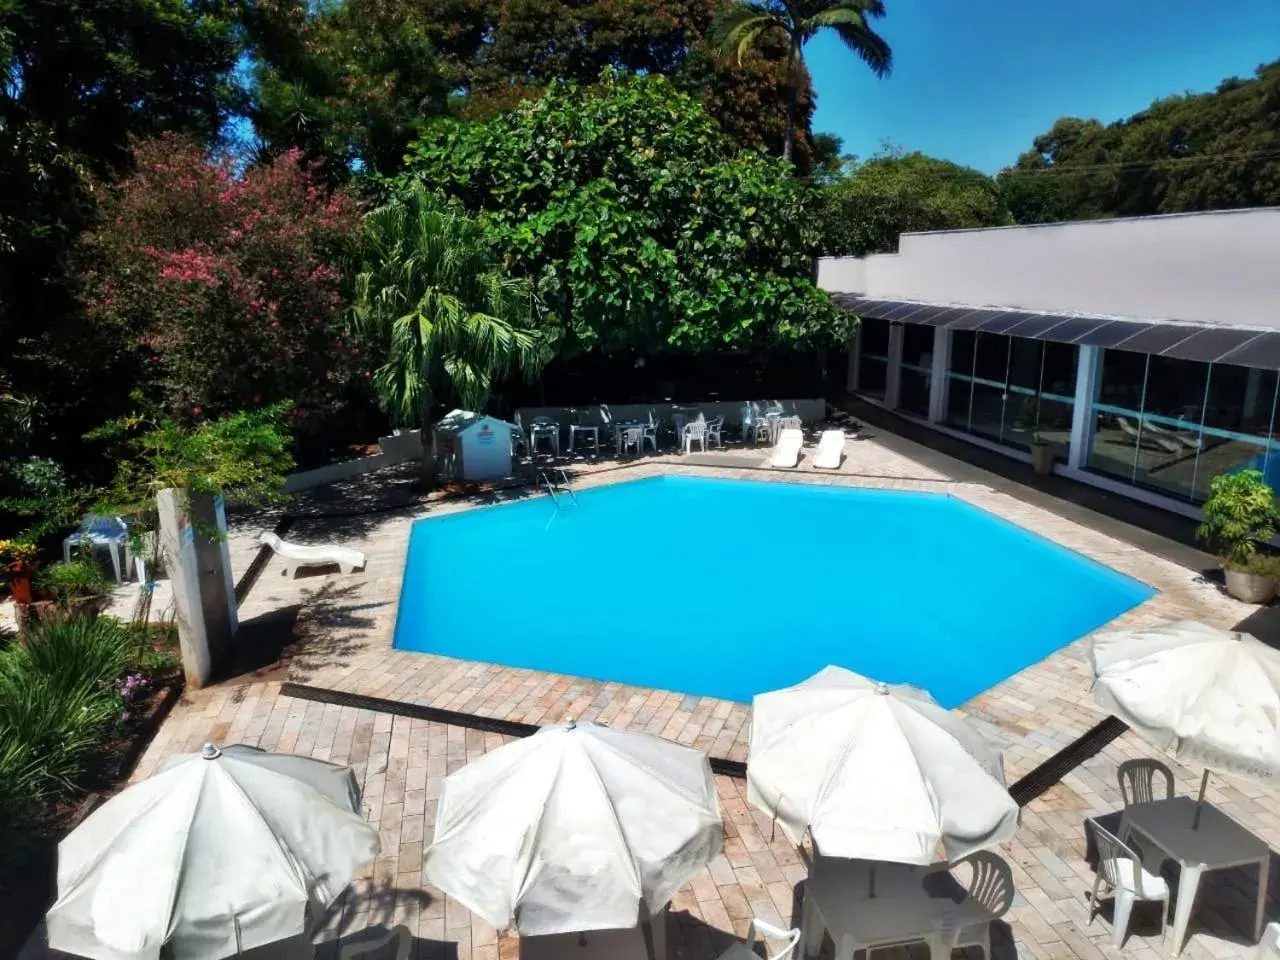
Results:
[1090, 744]
[419, 711]
[1023, 792]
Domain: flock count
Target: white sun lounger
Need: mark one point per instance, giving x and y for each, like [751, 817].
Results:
[786, 452]
[830, 450]
[296, 555]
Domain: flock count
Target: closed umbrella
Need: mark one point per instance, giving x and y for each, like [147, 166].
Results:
[218, 853]
[1203, 695]
[875, 772]
[575, 828]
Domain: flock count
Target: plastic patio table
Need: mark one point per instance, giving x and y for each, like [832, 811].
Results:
[838, 900]
[1217, 843]
[586, 429]
[625, 944]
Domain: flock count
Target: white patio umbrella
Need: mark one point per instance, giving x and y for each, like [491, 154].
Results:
[574, 829]
[875, 772]
[1203, 695]
[218, 853]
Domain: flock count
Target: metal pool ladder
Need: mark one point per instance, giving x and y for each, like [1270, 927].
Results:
[557, 487]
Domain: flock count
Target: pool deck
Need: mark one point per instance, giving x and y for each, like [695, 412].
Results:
[344, 625]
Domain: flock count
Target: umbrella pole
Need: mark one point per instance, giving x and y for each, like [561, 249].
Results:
[1204, 782]
[871, 887]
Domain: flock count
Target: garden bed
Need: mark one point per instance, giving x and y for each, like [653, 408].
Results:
[28, 882]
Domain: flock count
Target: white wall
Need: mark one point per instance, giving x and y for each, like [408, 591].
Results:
[1219, 267]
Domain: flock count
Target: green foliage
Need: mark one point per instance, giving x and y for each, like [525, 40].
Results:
[345, 82]
[72, 581]
[894, 193]
[639, 225]
[1209, 151]
[1239, 514]
[448, 319]
[745, 24]
[222, 292]
[241, 458]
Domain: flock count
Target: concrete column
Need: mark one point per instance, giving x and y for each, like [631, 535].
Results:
[199, 567]
[1088, 381]
[939, 382]
[893, 374]
[855, 358]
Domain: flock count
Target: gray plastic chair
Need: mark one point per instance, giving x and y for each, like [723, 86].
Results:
[1126, 880]
[1137, 781]
[989, 896]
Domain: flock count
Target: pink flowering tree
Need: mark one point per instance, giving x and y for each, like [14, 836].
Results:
[226, 287]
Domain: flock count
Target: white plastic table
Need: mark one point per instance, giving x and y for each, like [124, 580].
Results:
[1217, 843]
[838, 900]
[549, 430]
[584, 428]
[625, 944]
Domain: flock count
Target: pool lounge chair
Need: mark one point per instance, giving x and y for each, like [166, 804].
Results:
[1129, 430]
[786, 452]
[830, 450]
[296, 555]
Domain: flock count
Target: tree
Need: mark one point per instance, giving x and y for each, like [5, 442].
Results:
[1207, 151]
[895, 193]
[747, 23]
[222, 293]
[447, 320]
[640, 226]
[350, 84]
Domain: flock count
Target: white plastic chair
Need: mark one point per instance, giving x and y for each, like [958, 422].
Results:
[102, 531]
[714, 426]
[694, 431]
[1137, 780]
[650, 433]
[1269, 945]
[544, 427]
[745, 951]
[1126, 880]
[395, 944]
[988, 898]
[631, 437]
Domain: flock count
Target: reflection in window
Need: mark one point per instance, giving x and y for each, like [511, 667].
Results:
[916, 377]
[1011, 389]
[873, 356]
[1173, 425]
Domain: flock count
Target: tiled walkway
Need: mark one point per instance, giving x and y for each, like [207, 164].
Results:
[346, 623]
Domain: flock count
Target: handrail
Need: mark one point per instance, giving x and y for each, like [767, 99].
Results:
[564, 479]
[542, 475]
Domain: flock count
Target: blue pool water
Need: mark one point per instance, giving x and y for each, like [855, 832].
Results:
[728, 588]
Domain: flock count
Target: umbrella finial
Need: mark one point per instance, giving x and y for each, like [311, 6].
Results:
[882, 689]
[210, 752]
[570, 723]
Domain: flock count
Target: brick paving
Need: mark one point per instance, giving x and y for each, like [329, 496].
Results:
[346, 622]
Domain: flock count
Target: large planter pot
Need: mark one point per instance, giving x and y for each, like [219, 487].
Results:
[20, 573]
[1249, 587]
[1042, 458]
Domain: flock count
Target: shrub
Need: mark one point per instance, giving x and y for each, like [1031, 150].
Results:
[1239, 514]
[227, 286]
[74, 580]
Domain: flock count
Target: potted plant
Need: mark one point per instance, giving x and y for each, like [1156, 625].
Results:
[78, 588]
[19, 560]
[1239, 515]
[1041, 455]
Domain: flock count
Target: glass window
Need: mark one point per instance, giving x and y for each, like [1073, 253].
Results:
[960, 373]
[916, 377]
[990, 370]
[873, 357]
[1167, 441]
[1117, 413]
[1057, 398]
[1235, 434]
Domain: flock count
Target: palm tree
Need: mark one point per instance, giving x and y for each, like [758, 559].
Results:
[746, 22]
[449, 321]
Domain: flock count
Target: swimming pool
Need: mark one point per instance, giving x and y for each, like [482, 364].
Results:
[727, 588]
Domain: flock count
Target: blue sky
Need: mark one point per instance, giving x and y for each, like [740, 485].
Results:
[976, 80]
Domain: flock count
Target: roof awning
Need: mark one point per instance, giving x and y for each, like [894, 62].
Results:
[1186, 341]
